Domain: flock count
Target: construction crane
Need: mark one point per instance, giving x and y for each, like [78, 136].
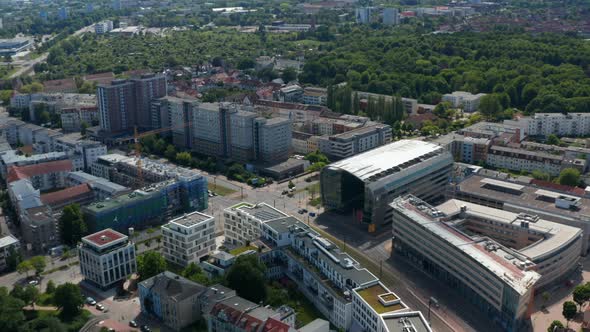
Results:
[137, 136]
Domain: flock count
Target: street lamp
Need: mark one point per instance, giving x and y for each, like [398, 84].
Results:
[431, 301]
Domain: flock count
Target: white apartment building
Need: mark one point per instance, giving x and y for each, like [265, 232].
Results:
[103, 27]
[189, 238]
[465, 100]
[571, 124]
[391, 16]
[106, 257]
[243, 222]
[354, 142]
[315, 96]
[526, 160]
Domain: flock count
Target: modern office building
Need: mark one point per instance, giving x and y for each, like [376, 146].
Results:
[497, 280]
[465, 100]
[189, 238]
[8, 245]
[365, 184]
[355, 141]
[291, 94]
[106, 257]
[124, 104]
[11, 47]
[567, 208]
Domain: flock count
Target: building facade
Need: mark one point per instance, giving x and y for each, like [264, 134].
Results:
[107, 257]
[355, 141]
[465, 100]
[189, 238]
[9, 245]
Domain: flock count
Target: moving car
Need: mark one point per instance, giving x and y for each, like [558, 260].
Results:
[133, 323]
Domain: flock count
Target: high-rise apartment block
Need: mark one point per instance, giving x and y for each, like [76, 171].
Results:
[125, 104]
[390, 16]
[106, 257]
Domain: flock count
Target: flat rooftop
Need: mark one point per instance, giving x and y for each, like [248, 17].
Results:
[412, 321]
[555, 236]
[502, 262]
[104, 237]
[115, 202]
[361, 131]
[395, 156]
[376, 295]
[260, 211]
[191, 219]
[526, 198]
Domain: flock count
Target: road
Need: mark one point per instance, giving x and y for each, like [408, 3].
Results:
[27, 66]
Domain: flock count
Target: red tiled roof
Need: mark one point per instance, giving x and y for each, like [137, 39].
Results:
[560, 187]
[65, 194]
[59, 85]
[104, 237]
[237, 318]
[24, 172]
[273, 325]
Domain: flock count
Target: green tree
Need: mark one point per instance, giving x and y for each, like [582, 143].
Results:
[45, 324]
[195, 273]
[291, 185]
[569, 311]
[50, 288]
[183, 158]
[24, 267]
[289, 74]
[490, 107]
[69, 299]
[170, 152]
[150, 264]
[247, 277]
[553, 140]
[554, 325]
[83, 127]
[38, 263]
[11, 313]
[582, 294]
[569, 177]
[72, 226]
[13, 259]
[540, 175]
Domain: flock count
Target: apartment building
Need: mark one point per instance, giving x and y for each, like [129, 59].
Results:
[366, 183]
[73, 118]
[80, 194]
[103, 27]
[347, 294]
[86, 151]
[44, 176]
[39, 229]
[315, 96]
[520, 159]
[391, 16]
[176, 114]
[106, 258]
[101, 187]
[354, 142]
[465, 100]
[243, 222]
[8, 245]
[570, 124]
[11, 158]
[290, 94]
[497, 280]
[124, 104]
[272, 140]
[189, 238]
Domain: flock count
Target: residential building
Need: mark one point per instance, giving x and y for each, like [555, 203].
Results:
[44, 176]
[465, 100]
[567, 208]
[101, 187]
[176, 114]
[519, 159]
[103, 27]
[272, 139]
[63, 13]
[8, 245]
[57, 200]
[363, 15]
[243, 222]
[72, 119]
[497, 280]
[85, 151]
[391, 16]
[106, 258]
[355, 141]
[23, 195]
[172, 299]
[364, 184]
[560, 124]
[347, 294]
[218, 263]
[315, 96]
[125, 104]
[189, 238]
[11, 158]
[304, 143]
[39, 229]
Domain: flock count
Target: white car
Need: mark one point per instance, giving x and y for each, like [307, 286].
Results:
[100, 307]
[33, 282]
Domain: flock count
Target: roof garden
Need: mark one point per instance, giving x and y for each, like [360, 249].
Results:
[380, 299]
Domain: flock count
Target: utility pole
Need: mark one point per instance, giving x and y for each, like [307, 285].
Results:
[242, 192]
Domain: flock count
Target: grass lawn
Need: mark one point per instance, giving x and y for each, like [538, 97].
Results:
[240, 250]
[306, 312]
[220, 190]
[72, 325]
[45, 299]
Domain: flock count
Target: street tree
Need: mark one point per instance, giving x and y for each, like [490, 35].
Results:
[569, 177]
[150, 264]
[72, 226]
[24, 267]
[68, 299]
[555, 324]
[569, 311]
[38, 263]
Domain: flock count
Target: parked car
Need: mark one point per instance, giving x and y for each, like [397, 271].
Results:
[304, 210]
[312, 214]
[33, 282]
[133, 323]
[99, 306]
[90, 301]
[145, 328]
